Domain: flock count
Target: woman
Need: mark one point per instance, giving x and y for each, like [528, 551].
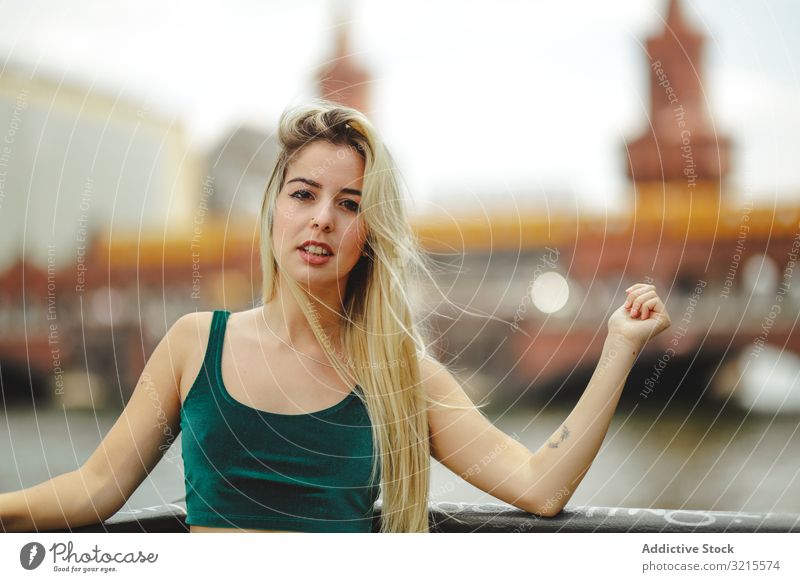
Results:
[329, 393]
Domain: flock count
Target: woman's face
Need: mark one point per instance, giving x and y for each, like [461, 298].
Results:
[319, 202]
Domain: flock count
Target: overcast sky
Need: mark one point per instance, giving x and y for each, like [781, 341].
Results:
[473, 97]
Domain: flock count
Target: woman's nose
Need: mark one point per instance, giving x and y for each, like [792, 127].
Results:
[323, 217]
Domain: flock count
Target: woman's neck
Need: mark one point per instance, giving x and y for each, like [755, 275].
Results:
[285, 318]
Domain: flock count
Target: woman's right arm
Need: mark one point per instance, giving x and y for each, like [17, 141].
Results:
[131, 449]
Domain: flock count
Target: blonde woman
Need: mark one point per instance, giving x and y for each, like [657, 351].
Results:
[297, 413]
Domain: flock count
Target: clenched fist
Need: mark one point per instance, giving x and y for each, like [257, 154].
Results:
[641, 317]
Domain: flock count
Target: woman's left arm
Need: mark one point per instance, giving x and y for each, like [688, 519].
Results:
[542, 482]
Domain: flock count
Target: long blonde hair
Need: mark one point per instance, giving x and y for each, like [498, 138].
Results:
[381, 339]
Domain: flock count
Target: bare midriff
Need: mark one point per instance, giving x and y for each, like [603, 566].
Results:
[204, 529]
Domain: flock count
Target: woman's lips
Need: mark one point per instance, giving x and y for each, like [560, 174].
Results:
[314, 259]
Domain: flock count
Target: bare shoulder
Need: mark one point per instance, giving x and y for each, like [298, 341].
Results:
[431, 372]
[191, 331]
[439, 383]
[193, 324]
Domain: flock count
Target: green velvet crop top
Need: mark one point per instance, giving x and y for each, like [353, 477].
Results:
[251, 469]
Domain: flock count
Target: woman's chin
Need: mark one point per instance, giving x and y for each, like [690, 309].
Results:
[313, 281]
[314, 277]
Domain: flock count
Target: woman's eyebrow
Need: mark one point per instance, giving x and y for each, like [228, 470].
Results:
[315, 185]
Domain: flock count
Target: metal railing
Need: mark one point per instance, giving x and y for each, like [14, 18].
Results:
[446, 517]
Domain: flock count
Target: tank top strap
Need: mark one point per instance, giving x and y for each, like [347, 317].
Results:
[213, 358]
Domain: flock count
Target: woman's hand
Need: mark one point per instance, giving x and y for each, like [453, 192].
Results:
[641, 317]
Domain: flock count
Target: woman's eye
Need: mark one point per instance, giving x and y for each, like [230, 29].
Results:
[351, 205]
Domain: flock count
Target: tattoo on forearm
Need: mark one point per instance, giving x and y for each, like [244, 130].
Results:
[561, 439]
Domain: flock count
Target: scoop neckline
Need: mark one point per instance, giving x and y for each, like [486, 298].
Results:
[227, 395]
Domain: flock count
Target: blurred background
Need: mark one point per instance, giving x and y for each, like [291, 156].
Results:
[552, 154]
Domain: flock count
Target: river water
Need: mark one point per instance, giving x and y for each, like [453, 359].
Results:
[725, 462]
